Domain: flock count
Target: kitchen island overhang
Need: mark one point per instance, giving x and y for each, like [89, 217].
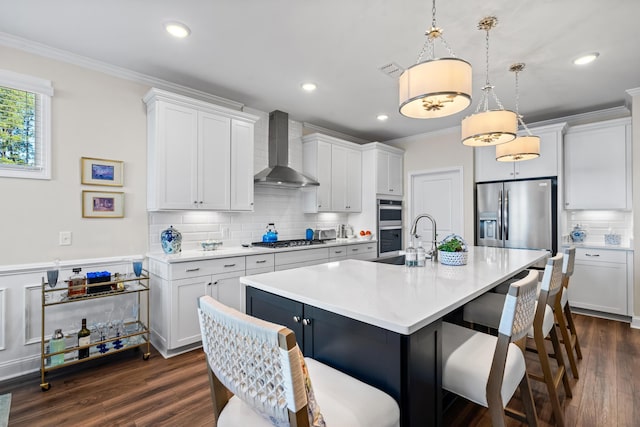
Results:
[396, 298]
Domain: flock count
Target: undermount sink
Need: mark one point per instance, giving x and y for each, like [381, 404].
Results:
[395, 260]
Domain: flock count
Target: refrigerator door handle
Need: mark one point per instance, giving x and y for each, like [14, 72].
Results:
[500, 215]
[506, 215]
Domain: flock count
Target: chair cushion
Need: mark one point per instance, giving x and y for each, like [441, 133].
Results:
[344, 400]
[485, 310]
[467, 356]
[547, 322]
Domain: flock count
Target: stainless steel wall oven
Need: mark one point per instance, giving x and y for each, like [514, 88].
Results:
[389, 227]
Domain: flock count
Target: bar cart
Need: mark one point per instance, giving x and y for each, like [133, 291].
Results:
[130, 334]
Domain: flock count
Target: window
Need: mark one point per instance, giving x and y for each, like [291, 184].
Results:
[25, 126]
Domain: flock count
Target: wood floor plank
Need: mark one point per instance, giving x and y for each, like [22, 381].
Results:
[124, 390]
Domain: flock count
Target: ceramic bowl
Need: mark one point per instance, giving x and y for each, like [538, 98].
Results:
[210, 245]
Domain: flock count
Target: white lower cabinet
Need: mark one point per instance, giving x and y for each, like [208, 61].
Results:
[301, 258]
[176, 288]
[600, 280]
[363, 251]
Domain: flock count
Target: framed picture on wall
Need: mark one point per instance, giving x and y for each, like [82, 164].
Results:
[102, 204]
[102, 172]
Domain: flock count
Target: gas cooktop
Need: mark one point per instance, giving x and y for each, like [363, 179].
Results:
[288, 243]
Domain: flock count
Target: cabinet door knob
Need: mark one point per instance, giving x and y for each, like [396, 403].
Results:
[296, 319]
[209, 284]
[200, 202]
[391, 189]
[216, 282]
[306, 321]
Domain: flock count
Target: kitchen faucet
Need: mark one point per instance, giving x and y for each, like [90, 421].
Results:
[434, 244]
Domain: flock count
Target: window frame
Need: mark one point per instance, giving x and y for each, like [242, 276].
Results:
[44, 91]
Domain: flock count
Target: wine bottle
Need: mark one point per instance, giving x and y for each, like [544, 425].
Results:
[84, 338]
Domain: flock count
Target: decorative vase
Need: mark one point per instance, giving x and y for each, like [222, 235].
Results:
[578, 234]
[171, 240]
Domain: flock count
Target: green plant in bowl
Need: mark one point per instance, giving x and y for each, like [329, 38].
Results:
[452, 245]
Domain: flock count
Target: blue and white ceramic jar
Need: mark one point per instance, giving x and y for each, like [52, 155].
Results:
[171, 240]
[578, 234]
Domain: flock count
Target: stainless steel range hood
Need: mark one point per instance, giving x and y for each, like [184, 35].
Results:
[279, 174]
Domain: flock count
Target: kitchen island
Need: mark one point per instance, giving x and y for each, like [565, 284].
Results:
[379, 322]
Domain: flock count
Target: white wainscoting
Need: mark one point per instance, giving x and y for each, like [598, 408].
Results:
[3, 320]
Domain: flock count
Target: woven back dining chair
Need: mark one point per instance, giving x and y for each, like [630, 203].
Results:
[258, 377]
[486, 369]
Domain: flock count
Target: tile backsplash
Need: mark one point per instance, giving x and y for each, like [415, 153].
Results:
[280, 206]
[598, 223]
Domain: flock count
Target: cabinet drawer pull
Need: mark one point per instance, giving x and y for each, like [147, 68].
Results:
[592, 255]
[191, 270]
[355, 249]
[229, 265]
[296, 319]
[338, 252]
[261, 261]
[306, 321]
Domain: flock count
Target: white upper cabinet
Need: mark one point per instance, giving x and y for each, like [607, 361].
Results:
[316, 163]
[487, 168]
[346, 179]
[200, 155]
[337, 166]
[389, 172]
[597, 163]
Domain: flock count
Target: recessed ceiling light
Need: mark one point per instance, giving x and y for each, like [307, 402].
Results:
[382, 117]
[177, 29]
[309, 87]
[586, 59]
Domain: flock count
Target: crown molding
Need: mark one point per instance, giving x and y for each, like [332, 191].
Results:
[44, 50]
[313, 128]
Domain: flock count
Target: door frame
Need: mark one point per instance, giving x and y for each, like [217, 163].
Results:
[412, 174]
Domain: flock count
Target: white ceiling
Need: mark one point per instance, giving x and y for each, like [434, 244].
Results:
[258, 52]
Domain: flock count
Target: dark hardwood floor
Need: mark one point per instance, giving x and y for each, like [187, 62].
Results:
[124, 390]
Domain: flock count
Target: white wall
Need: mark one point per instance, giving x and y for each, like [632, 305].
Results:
[440, 150]
[93, 115]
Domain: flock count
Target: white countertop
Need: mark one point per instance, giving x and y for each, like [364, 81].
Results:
[396, 298]
[592, 245]
[197, 255]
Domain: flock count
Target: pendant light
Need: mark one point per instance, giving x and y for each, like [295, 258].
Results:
[435, 87]
[489, 127]
[523, 147]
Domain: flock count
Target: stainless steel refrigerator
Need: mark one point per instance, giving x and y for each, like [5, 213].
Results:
[517, 214]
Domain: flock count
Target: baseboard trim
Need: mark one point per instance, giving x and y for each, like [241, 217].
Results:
[603, 315]
[635, 322]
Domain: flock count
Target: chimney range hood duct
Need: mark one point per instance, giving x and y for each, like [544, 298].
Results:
[279, 174]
